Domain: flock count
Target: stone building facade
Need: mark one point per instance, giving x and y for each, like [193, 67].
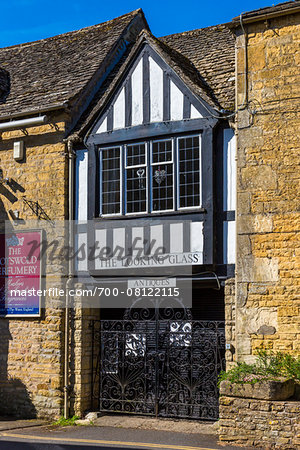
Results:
[262, 301]
[33, 349]
[267, 270]
[266, 305]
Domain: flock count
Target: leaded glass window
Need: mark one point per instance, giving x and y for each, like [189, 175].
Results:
[189, 171]
[111, 180]
[136, 178]
[151, 176]
[162, 175]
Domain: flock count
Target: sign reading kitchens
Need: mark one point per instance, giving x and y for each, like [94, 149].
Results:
[20, 276]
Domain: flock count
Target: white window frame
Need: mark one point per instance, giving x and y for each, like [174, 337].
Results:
[152, 164]
[121, 213]
[140, 213]
[149, 165]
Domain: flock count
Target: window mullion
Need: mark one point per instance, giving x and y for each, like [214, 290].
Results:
[110, 179]
[175, 174]
[163, 172]
[100, 183]
[189, 189]
[122, 181]
[200, 171]
[149, 178]
[135, 175]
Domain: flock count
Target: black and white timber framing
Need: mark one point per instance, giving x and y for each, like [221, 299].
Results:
[151, 101]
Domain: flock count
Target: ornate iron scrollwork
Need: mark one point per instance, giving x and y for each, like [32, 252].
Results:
[161, 362]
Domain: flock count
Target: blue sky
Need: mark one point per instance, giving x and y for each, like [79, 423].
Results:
[29, 20]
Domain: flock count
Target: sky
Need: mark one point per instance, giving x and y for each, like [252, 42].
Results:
[30, 20]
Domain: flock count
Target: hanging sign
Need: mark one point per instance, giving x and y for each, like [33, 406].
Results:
[20, 274]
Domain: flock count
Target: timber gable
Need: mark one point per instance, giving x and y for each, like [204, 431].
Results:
[197, 91]
[151, 92]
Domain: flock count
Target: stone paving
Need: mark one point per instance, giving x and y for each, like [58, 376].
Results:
[149, 423]
[7, 423]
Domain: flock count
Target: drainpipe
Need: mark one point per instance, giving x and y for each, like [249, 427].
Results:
[71, 157]
[23, 123]
[245, 100]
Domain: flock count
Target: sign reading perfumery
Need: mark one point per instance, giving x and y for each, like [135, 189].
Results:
[20, 274]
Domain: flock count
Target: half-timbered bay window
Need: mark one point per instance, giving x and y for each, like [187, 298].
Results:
[151, 176]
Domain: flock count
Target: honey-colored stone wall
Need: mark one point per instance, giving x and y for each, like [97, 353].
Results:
[230, 318]
[31, 349]
[260, 423]
[84, 360]
[268, 189]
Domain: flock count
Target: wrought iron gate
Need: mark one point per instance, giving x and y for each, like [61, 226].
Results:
[161, 362]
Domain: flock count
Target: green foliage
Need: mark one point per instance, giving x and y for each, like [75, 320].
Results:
[62, 422]
[241, 373]
[269, 366]
[278, 364]
[292, 367]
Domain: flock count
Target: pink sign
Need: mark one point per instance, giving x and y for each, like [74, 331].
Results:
[20, 274]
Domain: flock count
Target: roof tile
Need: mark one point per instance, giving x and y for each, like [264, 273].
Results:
[54, 70]
[212, 52]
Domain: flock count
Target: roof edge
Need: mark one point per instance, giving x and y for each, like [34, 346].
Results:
[29, 112]
[88, 91]
[112, 52]
[195, 30]
[67, 105]
[269, 12]
[25, 44]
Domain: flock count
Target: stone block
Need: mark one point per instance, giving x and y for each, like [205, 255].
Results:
[242, 294]
[262, 177]
[244, 202]
[264, 390]
[257, 57]
[258, 269]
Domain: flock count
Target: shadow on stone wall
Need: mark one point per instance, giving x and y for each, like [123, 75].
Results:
[14, 396]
